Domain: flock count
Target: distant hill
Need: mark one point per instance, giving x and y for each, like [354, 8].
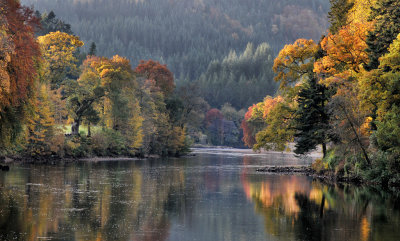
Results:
[187, 34]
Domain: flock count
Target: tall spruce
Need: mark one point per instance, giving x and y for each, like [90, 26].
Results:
[312, 118]
[386, 13]
[50, 23]
[92, 49]
[338, 14]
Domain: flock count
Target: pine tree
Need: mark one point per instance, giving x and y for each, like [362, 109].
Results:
[387, 27]
[338, 14]
[312, 119]
[93, 49]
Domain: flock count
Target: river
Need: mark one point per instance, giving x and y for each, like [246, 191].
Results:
[213, 196]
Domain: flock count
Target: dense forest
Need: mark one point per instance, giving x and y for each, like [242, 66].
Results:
[340, 93]
[187, 35]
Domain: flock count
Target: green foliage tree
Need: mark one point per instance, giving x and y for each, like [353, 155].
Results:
[49, 23]
[82, 94]
[92, 49]
[386, 15]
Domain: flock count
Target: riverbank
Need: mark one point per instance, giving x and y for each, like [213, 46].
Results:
[53, 159]
[326, 176]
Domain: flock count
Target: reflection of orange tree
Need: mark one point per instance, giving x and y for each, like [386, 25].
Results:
[274, 198]
[293, 207]
[268, 192]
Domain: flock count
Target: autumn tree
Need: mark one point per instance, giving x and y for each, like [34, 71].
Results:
[162, 76]
[59, 55]
[82, 94]
[345, 53]
[20, 52]
[340, 69]
[43, 137]
[309, 117]
[6, 50]
[293, 63]
[248, 131]
[278, 130]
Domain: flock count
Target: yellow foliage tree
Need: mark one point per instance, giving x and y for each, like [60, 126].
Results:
[294, 62]
[58, 50]
[134, 130]
[360, 11]
[43, 137]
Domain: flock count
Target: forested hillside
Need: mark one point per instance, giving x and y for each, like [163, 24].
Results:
[233, 79]
[187, 35]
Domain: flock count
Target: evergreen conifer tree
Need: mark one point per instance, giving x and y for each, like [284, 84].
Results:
[338, 14]
[93, 49]
[312, 118]
[387, 27]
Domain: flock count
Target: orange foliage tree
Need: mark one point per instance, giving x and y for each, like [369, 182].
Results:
[248, 132]
[22, 68]
[18, 25]
[157, 72]
[340, 68]
[256, 117]
[345, 52]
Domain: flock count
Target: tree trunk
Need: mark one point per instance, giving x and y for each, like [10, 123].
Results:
[89, 134]
[324, 149]
[357, 137]
[75, 127]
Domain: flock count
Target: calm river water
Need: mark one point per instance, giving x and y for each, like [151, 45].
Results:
[214, 196]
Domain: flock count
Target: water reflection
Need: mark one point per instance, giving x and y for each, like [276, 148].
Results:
[297, 208]
[89, 202]
[208, 197]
